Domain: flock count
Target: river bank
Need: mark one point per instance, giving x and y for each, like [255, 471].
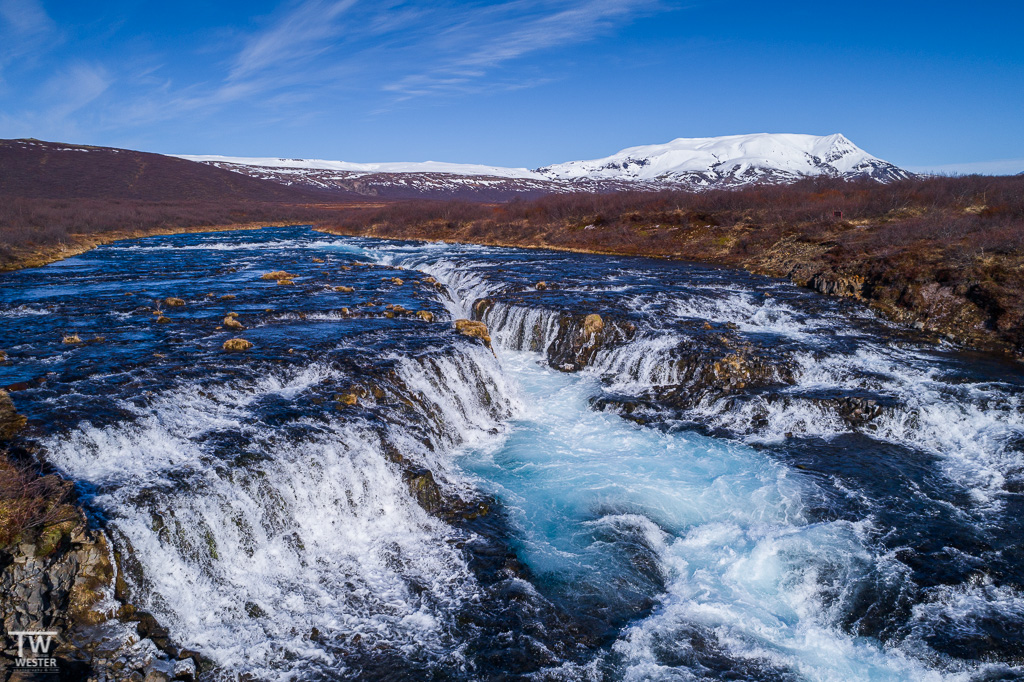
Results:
[941, 255]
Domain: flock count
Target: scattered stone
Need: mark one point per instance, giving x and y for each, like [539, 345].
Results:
[541, 286]
[71, 338]
[173, 302]
[231, 323]
[425, 315]
[285, 281]
[278, 275]
[162, 320]
[157, 676]
[474, 329]
[228, 297]
[347, 399]
[344, 289]
[318, 260]
[237, 345]
[344, 311]
[397, 281]
[345, 267]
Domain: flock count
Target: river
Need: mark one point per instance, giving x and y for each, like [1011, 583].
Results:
[722, 476]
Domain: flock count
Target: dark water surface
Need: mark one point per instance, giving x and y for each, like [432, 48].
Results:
[749, 482]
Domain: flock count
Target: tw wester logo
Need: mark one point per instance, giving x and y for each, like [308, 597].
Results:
[38, 658]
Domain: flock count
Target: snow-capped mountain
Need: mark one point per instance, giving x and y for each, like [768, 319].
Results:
[731, 160]
[684, 163]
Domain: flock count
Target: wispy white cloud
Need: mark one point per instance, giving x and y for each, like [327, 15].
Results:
[60, 99]
[378, 52]
[298, 36]
[25, 17]
[483, 39]
[25, 30]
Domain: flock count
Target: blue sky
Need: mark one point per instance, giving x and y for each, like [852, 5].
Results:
[515, 83]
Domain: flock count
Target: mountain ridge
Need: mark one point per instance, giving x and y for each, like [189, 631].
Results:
[683, 163]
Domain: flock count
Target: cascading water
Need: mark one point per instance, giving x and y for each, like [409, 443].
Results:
[737, 479]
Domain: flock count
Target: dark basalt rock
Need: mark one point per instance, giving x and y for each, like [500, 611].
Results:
[424, 488]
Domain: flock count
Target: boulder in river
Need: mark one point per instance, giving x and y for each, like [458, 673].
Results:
[228, 297]
[344, 289]
[71, 338]
[541, 286]
[474, 329]
[172, 302]
[230, 322]
[162, 320]
[592, 324]
[237, 344]
[425, 315]
[3, 356]
[278, 275]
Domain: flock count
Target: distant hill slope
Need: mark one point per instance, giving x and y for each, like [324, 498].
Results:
[53, 170]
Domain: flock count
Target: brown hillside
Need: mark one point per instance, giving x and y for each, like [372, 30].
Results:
[54, 170]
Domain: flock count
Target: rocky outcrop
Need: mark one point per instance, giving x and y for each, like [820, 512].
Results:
[580, 337]
[10, 421]
[57, 574]
[832, 284]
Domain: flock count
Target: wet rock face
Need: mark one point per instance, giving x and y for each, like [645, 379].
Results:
[580, 337]
[58, 590]
[10, 421]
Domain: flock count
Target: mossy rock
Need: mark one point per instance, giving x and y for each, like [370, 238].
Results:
[278, 275]
[237, 345]
[473, 329]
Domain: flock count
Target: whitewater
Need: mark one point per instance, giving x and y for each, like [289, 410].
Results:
[733, 479]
